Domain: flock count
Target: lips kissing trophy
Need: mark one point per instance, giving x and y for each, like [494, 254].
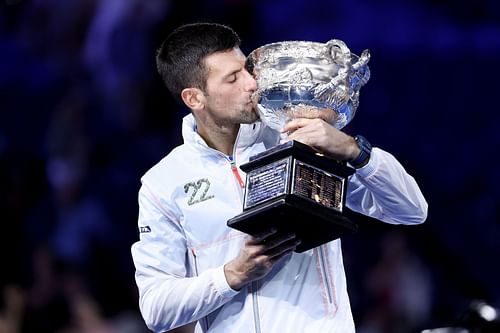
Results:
[291, 187]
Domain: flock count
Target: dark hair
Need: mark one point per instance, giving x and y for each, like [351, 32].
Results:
[180, 59]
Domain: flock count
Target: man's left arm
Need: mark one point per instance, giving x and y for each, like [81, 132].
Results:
[381, 188]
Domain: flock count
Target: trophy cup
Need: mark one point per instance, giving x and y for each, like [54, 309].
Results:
[291, 187]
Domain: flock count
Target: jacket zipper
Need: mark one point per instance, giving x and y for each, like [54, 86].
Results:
[236, 174]
[204, 320]
[234, 169]
[253, 285]
[322, 265]
[255, 302]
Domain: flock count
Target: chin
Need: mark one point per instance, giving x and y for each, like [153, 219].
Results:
[250, 118]
[256, 115]
[255, 110]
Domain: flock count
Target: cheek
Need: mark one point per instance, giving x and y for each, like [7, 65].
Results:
[223, 99]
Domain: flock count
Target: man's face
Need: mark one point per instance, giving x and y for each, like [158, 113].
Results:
[229, 89]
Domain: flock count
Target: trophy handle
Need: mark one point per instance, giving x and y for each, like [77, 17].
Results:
[338, 51]
[350, 77]
[336, 92]
[362, 72]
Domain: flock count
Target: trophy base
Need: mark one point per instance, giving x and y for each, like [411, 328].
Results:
[311, 223]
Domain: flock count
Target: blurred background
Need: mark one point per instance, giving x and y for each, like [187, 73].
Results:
[83, 114]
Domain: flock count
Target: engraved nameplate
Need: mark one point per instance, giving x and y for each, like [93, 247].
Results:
[318, 185]
[266, 182]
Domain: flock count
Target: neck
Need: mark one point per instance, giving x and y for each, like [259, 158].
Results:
[221, 138]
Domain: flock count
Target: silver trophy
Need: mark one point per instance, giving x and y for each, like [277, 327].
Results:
[291, 187]
[308, 79]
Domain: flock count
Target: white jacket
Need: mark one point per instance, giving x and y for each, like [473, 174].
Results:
[184, 204]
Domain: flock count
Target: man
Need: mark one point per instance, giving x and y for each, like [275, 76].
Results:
[191, 267]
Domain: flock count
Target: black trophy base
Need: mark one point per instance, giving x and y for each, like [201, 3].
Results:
[313, 224]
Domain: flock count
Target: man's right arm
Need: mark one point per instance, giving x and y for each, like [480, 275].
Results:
[168, 297]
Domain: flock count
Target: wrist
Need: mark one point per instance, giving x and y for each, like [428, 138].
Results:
[354, 150]
[232, 277]
[363, 156]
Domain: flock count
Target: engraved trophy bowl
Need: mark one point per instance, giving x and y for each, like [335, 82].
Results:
[307, 79]
[290, 187]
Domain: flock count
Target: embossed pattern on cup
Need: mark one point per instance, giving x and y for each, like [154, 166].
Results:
[307, 79]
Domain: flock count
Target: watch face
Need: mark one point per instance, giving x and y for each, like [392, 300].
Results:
[363, 143]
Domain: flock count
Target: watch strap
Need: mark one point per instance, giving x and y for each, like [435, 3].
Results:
[365, 152]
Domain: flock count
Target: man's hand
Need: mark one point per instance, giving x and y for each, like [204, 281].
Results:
[257, 257]
[323, 137]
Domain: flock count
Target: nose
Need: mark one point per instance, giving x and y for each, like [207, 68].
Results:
[251, 83]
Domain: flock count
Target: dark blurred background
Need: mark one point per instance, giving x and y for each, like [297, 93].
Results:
[83, 115]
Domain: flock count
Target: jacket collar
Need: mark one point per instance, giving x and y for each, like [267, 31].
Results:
[247, 135]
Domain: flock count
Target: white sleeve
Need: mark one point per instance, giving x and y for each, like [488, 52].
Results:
[382, 189]
[168, 296]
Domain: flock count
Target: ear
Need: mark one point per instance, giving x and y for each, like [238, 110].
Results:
[193, 98]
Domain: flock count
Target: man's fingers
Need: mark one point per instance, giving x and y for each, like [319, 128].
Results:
[273, 254]
[259, 238]
[278, 257]
[281, 245]
[295, 124]
[272, 243]
[281, 251]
